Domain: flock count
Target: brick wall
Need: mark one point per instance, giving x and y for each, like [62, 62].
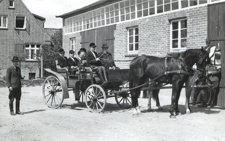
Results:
[154, 34]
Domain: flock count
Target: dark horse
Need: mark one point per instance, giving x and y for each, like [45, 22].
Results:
[170, 70]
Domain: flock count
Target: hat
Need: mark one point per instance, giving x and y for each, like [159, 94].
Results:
[105, 46]
[92, 45]
[15, 59]
[61, 50]
[83, 49]
[71, 52]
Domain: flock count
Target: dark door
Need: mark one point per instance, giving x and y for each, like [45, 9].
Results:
[216, 34]
[99, 36]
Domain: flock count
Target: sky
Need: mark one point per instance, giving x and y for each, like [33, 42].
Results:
[51, 8]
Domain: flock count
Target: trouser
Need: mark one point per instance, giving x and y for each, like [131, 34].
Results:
[102, 73]
[199, 95]
[15, 94]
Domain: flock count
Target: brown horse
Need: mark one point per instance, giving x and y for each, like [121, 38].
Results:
[171, 70]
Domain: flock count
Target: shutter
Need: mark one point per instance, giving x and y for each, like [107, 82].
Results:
[20, 51]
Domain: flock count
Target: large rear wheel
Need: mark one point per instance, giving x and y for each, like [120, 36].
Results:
[95, 98]
[53, 92]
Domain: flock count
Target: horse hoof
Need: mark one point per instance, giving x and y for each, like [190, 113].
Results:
[172, 116]
[135, 112]
[188, 111]
[177, 113]
[138, 111]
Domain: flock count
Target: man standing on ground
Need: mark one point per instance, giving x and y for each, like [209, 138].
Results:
[13, 76]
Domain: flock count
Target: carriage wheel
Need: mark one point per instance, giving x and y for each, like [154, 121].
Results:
[123, 99]
[95, 98]
[53, 92]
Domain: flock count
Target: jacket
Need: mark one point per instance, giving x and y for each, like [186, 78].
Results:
[13, 76]
[91, 59]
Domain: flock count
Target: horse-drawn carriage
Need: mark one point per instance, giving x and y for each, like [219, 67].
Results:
[173, 70]
[56, 88]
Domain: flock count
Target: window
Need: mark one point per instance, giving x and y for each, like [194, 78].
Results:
[11, 4]
[32, 51]
[179, 34]
[20, 22]
[72, 43]
[3, 21]
[133, 40]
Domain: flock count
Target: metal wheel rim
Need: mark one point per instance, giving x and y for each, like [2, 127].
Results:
[95, 98]
[53, 92]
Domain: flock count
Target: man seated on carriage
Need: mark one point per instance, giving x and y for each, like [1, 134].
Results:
[73, 63]
[82, 57]
[61, 61]
[94, 61]
[106, 58]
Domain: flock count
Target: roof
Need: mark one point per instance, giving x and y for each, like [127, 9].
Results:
[89, 7]
[38, 17]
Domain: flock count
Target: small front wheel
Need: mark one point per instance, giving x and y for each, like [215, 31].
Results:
[95, 98]
[53, 92]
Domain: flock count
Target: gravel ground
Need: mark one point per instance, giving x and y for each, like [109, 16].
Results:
[74, 121]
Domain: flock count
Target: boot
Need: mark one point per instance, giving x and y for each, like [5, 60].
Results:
[18, 107]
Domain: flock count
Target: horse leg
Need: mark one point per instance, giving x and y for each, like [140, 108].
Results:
[174, 99]
[156, 96]
[149, 93]
[180, 85]
[188, 95]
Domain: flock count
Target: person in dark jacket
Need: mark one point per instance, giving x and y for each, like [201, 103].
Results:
[13, 76]
[106, 57]
[72, 62]
[94, 61]
[62, 61]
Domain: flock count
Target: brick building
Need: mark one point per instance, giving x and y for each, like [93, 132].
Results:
[22, 33]
[135, 27]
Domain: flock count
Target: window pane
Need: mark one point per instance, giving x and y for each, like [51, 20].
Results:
[145, 5]
[166, 1]
[193, 2]
[4, 21]
[139, 1]
[122, 5]
[132, 2]
[151, 3]
[202, 1]
[139, 6]
[136, 31]
[145, 12]
[159, 2]
[184, 43]
[139, 14]
[127, 10]
[107, 21]
[112, 20]
[131, 48]
[175, 44]
[131, 39]
[20, 22]
[132, 8]
[175, 25]
[174, 5]
[159, 9]
[183, 33]
[175, 35]
[136, 46]
[32, 54]
[0, 21]
[184, 24]
[126, 3]
[133, 15]
[127, 16]
[122, 11]
[136, 39]
[167, 7]
[122, 17]
[152, 11]
[116, 19]
[131, 32]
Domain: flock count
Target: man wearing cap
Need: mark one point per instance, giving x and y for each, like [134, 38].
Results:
[94, 61]
[62, 62]
[13, 76]
[106, 57]
[72, 62]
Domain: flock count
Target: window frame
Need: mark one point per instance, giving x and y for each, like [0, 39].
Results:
[13, 6]
[73, 43]
[29, 48]
[24, 25]
[179, 48]
[1, 22]
[134, 42]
